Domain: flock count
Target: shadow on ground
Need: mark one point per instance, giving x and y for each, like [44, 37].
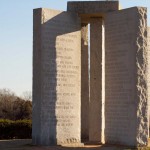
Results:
[26, 145]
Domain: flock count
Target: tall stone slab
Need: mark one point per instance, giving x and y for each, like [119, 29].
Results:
[95, 106]
[126, 88]
[56, 78]
[84, 83]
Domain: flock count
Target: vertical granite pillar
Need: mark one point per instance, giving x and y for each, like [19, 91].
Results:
[95, 106]
[84, 83]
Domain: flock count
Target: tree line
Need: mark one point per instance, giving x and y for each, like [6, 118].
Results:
[13, 107]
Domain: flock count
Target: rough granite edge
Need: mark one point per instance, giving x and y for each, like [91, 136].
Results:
[141, 80]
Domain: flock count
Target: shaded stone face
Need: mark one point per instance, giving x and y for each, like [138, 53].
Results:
[58, 71]
[95, 108]
[92, 7]
[84, 83]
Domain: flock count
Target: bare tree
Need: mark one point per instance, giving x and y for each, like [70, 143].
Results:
[27, 95]
[6, 92]
[13, 107]
[7, 97]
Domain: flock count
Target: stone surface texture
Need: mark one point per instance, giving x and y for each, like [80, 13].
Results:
[56, 78]
[95, 106]
[92, 7]
[148, 70]
[84, 83]
[141, 80]
[126, 75]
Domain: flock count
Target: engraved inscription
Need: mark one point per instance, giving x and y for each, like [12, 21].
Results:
[120, 76]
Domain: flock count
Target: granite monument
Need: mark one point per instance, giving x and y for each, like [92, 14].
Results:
[91, 75]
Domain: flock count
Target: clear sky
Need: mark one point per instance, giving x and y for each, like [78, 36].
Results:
[16, 39]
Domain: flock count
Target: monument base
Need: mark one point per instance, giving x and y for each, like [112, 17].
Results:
[148, 142]
[73, 145]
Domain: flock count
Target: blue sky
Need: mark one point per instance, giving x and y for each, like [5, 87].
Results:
[16, 39]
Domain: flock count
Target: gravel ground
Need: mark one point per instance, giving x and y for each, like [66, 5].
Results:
[26, 145]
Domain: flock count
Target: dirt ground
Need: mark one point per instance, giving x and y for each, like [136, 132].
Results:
[27, 145]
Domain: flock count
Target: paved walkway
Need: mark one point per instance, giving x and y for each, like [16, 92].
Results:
[26, 145]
